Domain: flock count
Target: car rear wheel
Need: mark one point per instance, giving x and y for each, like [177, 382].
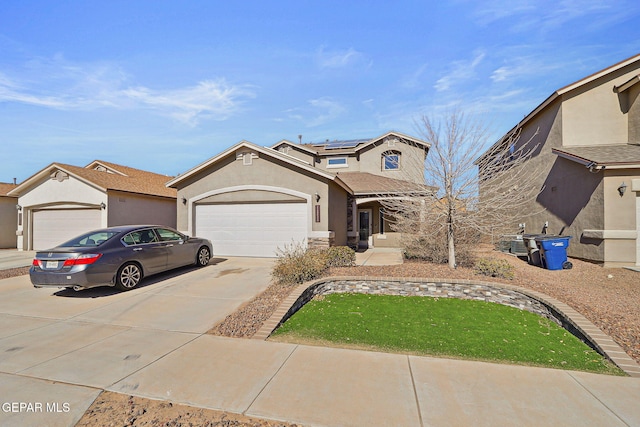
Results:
[203, 257]
[128, 276]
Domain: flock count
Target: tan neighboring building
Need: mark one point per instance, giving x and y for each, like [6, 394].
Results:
[589, 154]
[250, 200]
[62, 201]
[8, 216]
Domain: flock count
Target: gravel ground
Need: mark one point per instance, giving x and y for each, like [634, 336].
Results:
[11, 272]
[610, 298]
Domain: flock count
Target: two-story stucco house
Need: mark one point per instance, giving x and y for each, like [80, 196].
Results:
[62, 201]
[589, 158]
[251, 200]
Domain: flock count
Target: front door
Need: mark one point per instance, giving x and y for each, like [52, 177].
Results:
[364, 227]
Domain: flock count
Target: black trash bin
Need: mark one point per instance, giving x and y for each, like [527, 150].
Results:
[533, 251]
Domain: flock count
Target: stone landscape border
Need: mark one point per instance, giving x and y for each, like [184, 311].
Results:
[511, 295]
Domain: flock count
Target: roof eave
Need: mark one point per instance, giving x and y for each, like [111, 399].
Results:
[390, 133]
[594, 164]
[264, 150]
[296, 146]
[29, 182]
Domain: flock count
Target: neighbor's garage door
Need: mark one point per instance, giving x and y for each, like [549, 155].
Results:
[251, 229]
[52, 227]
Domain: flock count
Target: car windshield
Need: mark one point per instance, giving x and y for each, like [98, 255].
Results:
[93, 239]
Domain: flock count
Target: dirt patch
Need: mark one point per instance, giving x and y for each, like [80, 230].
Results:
[114, 409]
[13, 272]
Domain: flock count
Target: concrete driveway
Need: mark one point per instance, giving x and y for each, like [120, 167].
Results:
[60, 348]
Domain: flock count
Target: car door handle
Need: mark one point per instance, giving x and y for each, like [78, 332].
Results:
[137, 249]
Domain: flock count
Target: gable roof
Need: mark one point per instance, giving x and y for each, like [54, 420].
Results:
[113, 177]
[566, 89]
[267, 151]
[351, 146]
[6, 187]
[303, 147]
[365, 183]
[615, 156]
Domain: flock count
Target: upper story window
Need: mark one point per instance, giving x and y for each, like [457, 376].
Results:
[390, 161]
[337, 162]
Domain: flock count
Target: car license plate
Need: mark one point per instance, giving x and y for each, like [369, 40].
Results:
[51, 264]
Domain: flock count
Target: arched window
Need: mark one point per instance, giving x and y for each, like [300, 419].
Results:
[391, 160]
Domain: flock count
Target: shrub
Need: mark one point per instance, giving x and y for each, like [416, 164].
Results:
[340, 256]
[297, 264]
[433, 248]
[494, 268]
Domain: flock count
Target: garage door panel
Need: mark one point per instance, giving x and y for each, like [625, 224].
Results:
[55, 226]
[251, 229]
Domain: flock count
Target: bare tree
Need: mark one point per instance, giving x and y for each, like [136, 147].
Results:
[479, 189]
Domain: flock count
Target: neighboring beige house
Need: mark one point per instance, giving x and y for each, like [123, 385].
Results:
[62, 201]
[8, 216]
[589, 155]
[250, 200]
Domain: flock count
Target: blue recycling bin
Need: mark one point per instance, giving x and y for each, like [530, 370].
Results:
[553, 252]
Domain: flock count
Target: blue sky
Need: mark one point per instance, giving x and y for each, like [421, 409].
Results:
[164, 85]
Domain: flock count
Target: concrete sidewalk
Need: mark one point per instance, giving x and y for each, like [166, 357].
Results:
[316, 386]
[328, 387]
[379, 256]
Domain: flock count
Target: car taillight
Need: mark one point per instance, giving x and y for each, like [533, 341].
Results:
[36, 263]
[82, 260]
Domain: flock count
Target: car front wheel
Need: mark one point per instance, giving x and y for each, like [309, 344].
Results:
[128, 277]
[203, 257]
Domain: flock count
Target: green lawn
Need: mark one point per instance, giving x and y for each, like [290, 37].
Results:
[441, 327]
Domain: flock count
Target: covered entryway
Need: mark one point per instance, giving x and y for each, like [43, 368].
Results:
[54, 226]
[251, 229]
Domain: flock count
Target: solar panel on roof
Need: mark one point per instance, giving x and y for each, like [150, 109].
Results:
[334, 145]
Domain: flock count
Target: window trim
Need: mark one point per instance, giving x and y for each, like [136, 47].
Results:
[384, 160]
[340, 165]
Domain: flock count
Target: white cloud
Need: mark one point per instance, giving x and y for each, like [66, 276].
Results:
[208, 99]
[460, 71]
[542, 17]
[338, 59]
[318, 112]
[58, 84]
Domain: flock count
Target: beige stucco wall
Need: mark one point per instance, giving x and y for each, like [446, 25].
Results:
[265, 171]
[48, 192]
[353, 165]
[620, 222]
[370, 160]
[593, 114]
[128, 209]
[570, 198]
[337, 204]
[632, 100]
[411, 161]
[8, 222]
[302, 155]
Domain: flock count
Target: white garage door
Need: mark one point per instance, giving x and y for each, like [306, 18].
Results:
[52, 227]
[251, 229]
